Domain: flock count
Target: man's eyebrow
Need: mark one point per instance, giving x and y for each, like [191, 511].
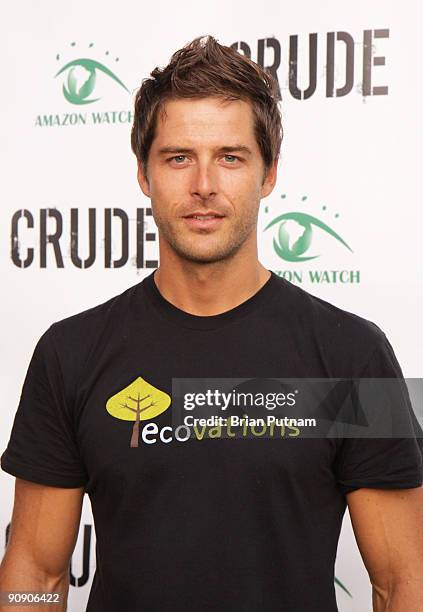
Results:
[226, 149]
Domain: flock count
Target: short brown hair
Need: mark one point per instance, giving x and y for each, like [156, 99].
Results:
[204, 68]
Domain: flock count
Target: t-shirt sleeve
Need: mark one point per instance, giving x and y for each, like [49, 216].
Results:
[42, 447]
[383, 463]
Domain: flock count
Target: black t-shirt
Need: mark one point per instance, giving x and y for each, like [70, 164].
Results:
[235, 524]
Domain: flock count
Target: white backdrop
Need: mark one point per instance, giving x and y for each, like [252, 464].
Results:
[350, 161]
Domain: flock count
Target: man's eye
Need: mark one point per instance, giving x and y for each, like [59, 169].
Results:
[180, 159]
[231, 158]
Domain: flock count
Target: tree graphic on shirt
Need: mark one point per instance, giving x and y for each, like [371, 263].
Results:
[139, 401]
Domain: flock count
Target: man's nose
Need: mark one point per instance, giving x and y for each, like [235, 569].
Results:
[204, 181]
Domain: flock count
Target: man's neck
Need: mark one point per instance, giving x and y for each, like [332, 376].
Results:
[210, 289]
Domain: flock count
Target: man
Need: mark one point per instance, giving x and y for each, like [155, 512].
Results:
[206, 522]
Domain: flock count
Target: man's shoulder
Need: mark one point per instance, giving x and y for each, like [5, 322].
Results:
[325, 320]
[89, 322]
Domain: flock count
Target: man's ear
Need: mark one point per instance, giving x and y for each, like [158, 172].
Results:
[143, 180]
[270, 179]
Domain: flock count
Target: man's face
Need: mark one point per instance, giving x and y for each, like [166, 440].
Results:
[205, 160]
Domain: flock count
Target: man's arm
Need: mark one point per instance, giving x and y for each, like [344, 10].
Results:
[44, 529]
[388, 526]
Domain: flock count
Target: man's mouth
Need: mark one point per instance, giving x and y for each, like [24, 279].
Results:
[210, 220]
[203, 216]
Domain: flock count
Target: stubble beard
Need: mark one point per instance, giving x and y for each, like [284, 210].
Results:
[224, 246]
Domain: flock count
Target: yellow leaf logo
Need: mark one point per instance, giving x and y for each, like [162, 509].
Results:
[139, 401]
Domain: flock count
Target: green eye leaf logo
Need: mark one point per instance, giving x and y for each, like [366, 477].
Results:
[81, 80]
[295, 234]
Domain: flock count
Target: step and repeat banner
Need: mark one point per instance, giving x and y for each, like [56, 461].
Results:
[77, 230]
